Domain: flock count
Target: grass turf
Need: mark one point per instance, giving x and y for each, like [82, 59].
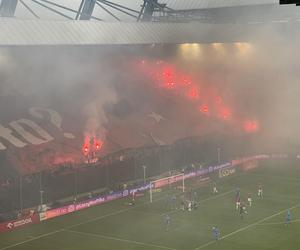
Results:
[117, 226]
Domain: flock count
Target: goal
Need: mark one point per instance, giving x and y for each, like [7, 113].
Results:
[170, 181]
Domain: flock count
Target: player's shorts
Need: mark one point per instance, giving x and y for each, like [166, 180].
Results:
[249, 199]
[216, 236]
[238, 203]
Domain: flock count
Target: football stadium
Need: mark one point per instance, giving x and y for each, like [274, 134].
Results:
[149, 124]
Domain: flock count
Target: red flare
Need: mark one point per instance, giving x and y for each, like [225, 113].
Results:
[225, 114]
[193, 93]
[99, 144]
[251, 126]
[204, 109]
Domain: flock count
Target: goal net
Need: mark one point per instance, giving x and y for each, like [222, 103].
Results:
[173, 182]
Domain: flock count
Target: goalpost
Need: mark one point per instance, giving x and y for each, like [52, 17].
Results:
[167, 181]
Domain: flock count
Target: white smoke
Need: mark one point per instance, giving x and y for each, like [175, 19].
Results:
[7, 64]
[95, 114]
[73, 79]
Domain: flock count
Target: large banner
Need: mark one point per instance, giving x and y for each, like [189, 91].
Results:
[18, 223]
[82, 104]
[35, 136]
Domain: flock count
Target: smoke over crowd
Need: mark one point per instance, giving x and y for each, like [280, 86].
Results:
[244, 87]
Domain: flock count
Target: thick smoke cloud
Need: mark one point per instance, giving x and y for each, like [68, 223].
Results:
[73, 81]
[257, 79]
[261, 80]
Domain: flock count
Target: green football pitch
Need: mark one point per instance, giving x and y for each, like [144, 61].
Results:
[117, 226]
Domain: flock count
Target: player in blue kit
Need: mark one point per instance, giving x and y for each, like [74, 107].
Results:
[173, 202]
[288, 218]
[167, 222]
[216, 233]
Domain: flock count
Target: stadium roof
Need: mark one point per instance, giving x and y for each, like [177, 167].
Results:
[34, 32]
[54, 29]
[43, 13]
[204, 4]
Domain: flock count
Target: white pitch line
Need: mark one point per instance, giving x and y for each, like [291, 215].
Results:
[120, 239]
[113, 213]
[201, 201]
[95, 219]
[31, 239]
[75, 225]
[59, 230]
[278, 223]
[101, 217]
[246, 227]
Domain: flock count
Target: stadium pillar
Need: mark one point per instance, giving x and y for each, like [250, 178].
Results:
[150, 191]
[183, 184]
[87, 10]
[107, 175]
[144, 173]
[134, 167]
[41, 190]
[184, 146]
[159, 159]
[21, 193]
[75, 183]
[8, 8]
[219, 155]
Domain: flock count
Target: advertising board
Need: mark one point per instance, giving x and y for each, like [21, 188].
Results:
[18, 223]
[226, 172]
[225, 169]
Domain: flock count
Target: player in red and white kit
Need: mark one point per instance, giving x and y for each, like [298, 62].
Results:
[215, 190]
[238, 203]
[243, 210]
[249, 199]
[260, 191]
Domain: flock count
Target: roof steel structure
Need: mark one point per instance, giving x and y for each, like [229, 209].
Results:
[53, 22]
[112, 10]
[34, 32]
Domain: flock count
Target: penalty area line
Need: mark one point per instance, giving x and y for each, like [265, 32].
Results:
[33, 238]
[201, 201]
[247, 227]
[119, 239]
[278, 223]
